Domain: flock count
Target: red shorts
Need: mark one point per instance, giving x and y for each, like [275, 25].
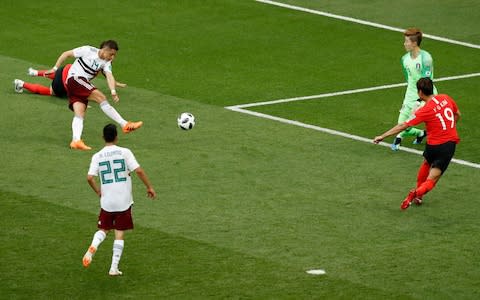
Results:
[79, 88]
[120, 220]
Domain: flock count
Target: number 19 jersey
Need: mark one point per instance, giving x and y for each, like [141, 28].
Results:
[438, 114]
[113, 165]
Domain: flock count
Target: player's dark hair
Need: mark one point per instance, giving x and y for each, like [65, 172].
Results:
[110, 133]
[109, 44]
[414, 35]
[425, 85]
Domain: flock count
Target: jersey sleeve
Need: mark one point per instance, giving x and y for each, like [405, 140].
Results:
[108, 67]
[420, 116]
[427, 65]
[130, 160]
[81, 51]
[93, 170]
[413, 122]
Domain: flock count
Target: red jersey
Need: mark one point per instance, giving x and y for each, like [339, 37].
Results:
[65, 74]
[438, 114]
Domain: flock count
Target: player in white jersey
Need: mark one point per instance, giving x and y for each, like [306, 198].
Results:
[113, 164]
[89, 61]
[416, 64]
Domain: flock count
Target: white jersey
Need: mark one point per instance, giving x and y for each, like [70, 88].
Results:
[113, 164]
[88, 63]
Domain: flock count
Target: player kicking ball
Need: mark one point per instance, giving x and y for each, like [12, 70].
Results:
[440, 115]
[88, 62]
[114, 165]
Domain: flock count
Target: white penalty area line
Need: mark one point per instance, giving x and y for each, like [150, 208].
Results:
[347, 92]
[240, 108]
[338, 133]
[358, 21]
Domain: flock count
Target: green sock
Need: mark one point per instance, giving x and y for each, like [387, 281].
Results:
[412, 131]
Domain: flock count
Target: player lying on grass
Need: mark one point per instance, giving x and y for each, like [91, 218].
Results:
[57, 88]
[440, 115]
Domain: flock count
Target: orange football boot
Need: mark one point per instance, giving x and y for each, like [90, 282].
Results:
[131, 126]
[87, 258]
[79, 145]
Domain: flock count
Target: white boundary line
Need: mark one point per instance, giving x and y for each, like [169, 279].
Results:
[338, 133]
[358, 21]
[239, 108]
[355, 91]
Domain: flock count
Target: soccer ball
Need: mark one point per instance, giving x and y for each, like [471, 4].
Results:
[186, 121]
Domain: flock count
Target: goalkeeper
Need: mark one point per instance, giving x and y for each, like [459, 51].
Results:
[416, 64]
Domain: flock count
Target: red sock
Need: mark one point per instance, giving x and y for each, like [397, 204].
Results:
[37, 88]
[423, 173]
[41, 73]
[425, 187]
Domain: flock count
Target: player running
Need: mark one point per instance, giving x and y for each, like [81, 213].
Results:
[89, 61]
[113, 164]
[416, 63]
[440, 115]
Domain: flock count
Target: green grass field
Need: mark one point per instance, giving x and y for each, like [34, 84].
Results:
[245, 205]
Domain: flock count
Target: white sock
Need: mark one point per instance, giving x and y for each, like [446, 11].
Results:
[117, 254]
[111, 112]
[98, 238]
[77, 128]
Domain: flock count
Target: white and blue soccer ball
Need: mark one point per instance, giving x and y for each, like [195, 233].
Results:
[186, 121]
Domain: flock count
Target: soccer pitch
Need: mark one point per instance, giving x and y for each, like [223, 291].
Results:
[247, 202]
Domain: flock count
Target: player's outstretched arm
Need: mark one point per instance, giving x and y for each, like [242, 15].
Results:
[394, 130]
[111, 85]
[60, 61]
[143, 176]
[117, 83]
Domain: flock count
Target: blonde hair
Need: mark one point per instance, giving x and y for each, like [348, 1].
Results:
[414, 35]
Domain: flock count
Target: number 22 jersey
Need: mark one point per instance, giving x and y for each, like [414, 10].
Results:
[113, 165]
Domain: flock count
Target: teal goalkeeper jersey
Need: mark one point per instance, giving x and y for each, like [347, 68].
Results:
[414, 69]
